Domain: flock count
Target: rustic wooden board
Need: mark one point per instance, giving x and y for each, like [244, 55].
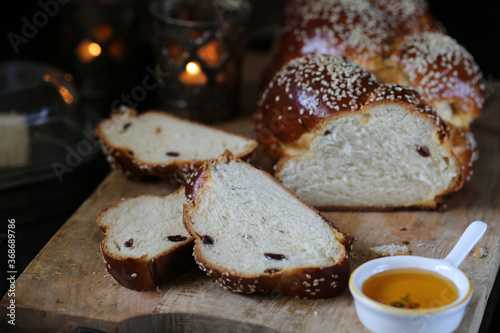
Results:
[66, 285]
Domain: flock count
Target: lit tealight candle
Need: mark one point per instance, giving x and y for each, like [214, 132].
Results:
[193, 75]
[88, 50]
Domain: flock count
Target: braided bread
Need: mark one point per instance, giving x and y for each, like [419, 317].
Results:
[398, 41]
[346, 141]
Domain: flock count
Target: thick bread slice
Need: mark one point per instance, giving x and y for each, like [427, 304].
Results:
[254, 235]
[345, 141]
[391, 154]
[146, 243]
[159, 144]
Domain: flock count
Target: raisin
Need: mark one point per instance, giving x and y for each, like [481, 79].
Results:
[176, 238]
[173, 153]
[271, 270]
[126, 126]
[423, 151]
[129, 243]
[207, 240]
[274, 256]
[327, 132]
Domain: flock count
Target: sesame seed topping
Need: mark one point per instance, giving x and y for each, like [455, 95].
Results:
[427, 59]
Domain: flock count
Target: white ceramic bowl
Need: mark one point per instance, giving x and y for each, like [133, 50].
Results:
[378, 317]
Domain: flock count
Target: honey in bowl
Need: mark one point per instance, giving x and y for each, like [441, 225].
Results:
[410, 288]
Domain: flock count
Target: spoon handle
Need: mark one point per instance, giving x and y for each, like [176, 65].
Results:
[469, 238]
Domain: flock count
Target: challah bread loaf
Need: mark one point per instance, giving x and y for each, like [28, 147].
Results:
[159, 144]
[362, 30]
[345, 141]
[398, 41]
[146, 243]
[255, 236]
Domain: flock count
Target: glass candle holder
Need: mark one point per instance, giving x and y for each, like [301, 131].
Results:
[199, 47]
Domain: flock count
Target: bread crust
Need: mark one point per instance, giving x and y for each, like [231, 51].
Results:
[335, 27]
[305, 282]
[176, 171]
[399, 41]
[143, 273]
[443, 71]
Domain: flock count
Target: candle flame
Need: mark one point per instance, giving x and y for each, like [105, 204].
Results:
[88, 50]
[193, 68]
[94, 49]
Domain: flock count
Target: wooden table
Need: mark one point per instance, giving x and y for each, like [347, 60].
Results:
[66, 285]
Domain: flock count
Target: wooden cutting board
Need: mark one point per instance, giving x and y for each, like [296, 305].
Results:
[66, 286]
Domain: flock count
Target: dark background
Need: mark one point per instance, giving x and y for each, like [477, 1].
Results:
[474, 24]
[41, 208]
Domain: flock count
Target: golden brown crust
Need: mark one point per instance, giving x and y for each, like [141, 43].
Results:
[399, 41]
[333, 27]
[304, 93]
[177, 171]
[306, 282]
[443, 71]
[363, 31]
[143, 273]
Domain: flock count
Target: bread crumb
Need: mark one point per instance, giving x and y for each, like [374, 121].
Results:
[390, 250]
[480, 252]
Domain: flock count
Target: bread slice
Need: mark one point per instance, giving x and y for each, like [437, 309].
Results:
[146, 243]
[159, 144]
[254, 235]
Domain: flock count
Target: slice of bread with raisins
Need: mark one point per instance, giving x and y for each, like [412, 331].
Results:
[160, 145]
[256, 236]
[146, 243]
